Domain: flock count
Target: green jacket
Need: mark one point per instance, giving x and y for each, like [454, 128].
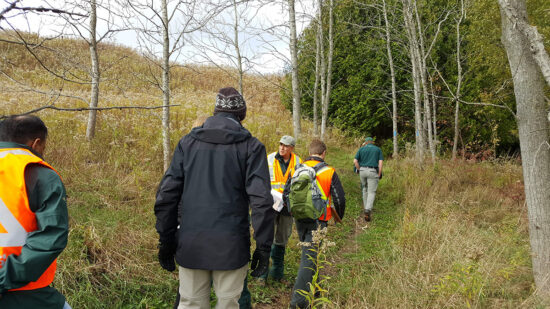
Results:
[47, 199]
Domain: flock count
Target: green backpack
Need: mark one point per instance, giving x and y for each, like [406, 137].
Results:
[306, 199]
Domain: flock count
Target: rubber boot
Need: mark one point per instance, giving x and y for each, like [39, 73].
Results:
[277, 269]
[245, 301]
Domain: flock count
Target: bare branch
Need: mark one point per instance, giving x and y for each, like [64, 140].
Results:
[80, 109]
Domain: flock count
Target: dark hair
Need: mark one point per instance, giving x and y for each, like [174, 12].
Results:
[317, 147]
[22, 129]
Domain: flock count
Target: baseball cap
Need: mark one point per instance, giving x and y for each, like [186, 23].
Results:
[288, 140]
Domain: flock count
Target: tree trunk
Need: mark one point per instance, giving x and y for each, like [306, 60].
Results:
[317, 70]
[165, 87]
[533, 133]
[393, 86]
[459, 79]
[94, 91]
[415, 64]
[323, 63]
[237, 49]
[424, 81]
[296, 114]
[326, 102]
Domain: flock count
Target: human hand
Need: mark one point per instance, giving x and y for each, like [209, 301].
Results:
[260, 263]
[166, 255]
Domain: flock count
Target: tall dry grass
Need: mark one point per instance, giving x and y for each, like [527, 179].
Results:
[459, 240]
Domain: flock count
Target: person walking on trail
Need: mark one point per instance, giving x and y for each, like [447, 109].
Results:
[368, 162]
[281, 165]
[217, 171]
[34, 222]
[332, 189]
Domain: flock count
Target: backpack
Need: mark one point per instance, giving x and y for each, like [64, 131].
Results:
[307, 201]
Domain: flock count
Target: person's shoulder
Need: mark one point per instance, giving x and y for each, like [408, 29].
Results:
[45, 175]
[253, 142]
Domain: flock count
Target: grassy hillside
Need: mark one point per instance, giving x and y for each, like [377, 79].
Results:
[453, 235]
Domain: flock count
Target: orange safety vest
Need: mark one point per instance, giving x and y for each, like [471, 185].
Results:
[16, 218]
[278, 179]
[324, 177]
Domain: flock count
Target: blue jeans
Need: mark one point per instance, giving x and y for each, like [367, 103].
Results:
[307, 266]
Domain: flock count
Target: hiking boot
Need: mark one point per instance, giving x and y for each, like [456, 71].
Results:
[367, 216]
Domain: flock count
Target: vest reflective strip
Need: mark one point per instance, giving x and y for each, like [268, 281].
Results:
[16, 235]
[277, 185]
[14, 152]
[270, 162]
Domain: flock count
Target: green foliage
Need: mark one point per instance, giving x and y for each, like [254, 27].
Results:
[361, 98]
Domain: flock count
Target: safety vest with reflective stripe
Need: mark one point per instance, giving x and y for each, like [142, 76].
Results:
[278, 179]
[16, 218]
[324, 177]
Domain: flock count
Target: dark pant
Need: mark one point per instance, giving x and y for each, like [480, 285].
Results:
[307, 265]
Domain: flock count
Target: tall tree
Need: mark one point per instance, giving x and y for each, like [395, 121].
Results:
[95, 73]
[458, 79]
[296, 114]
[165, 27]
[392, 75]
[534, 136]
[326, 100]
[414, 54]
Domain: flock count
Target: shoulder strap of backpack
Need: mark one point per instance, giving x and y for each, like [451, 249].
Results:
[319, 166]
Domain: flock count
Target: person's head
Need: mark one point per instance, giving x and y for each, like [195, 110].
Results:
[369, 140]
[26, 130]
[317, 148]
[229, 100]
[286, 146]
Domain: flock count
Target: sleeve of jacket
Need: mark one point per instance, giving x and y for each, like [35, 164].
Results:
[258, 189]
[45, 244]
[338, 195]
[168, 196]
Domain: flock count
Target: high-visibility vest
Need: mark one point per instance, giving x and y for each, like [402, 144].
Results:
[278, 179]
[324, 177]
[16, 218]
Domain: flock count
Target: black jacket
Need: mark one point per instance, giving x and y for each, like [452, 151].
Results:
[217, 171]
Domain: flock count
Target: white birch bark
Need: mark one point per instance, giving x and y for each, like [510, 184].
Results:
[424, 82]
[326, 101]
[459, 80]
[393, 85]
[317, 70]
[415, 64]
[533, 133]
[237, 49]
[95, 74]
[165, 87]
[296, 114]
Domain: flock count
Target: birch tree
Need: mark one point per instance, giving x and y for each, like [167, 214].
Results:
[164, 26]
[533, 133]
[392, 75]
[318, 45]
[326, 99]
[296, 114]
[414, 54]
[458, 79]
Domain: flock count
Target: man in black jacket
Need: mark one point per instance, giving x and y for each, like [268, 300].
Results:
[217, 171]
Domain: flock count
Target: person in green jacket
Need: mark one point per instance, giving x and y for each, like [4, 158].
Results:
[47, 200]
[368, 163]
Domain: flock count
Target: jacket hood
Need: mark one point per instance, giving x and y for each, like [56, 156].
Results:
[222, 128]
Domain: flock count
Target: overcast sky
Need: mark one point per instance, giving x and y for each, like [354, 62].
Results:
[201, 46]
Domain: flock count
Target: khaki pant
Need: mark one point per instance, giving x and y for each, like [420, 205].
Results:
[195, 287]
[283, 229]
[369, 184]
